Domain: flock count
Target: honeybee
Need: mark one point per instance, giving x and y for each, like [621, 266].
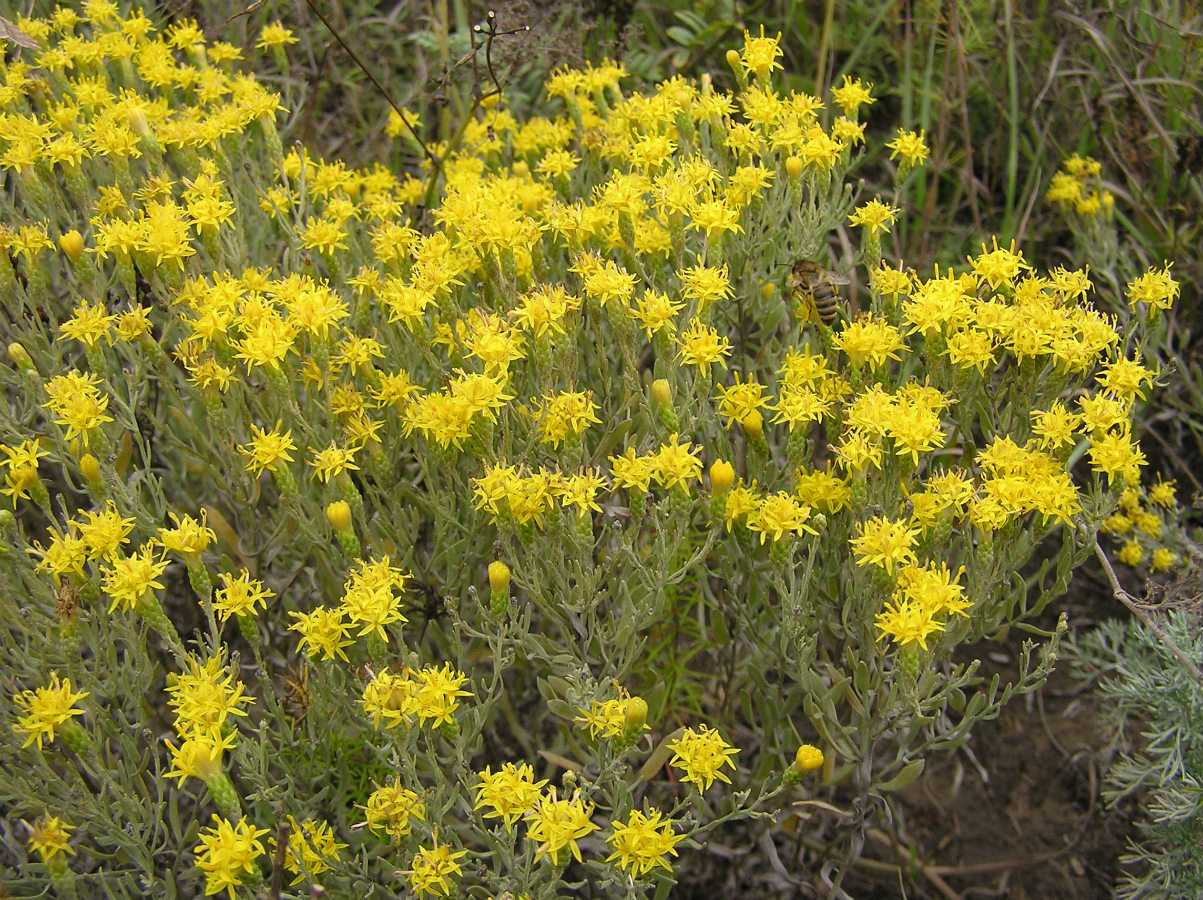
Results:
[819, 288]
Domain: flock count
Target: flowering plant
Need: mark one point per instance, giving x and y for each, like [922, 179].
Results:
[346, 509]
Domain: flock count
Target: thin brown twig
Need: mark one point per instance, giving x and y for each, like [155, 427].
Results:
[1137, 610]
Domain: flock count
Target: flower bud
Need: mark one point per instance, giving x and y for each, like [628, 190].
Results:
[722, 477]
[89, 468]
[734, 61]
[20, 357]
[339, 515]
[808, 758]
[499, 576]
[499, 587]
[72, 243]
[635, 714]
[753, 424]
[137, 121]
[793, 167]
[662, 392]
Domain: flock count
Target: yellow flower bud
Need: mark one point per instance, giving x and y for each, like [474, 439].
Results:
[808, 758]
[499, 575]
[72, 243]
[753, 424]
[662, 392]
[767, 290]
[520, 168]
[499, 587]
[89, 468]
[339, 515]
[793, 167]
[635, 714]
[20, 357]
[137, 121]
[722, 477]
[733, 61]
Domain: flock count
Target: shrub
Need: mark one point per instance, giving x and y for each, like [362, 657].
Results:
[461, 529]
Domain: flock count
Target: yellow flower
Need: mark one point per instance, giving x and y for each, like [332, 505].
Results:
[189, 537]
[204, 697]
[1155, 288]
[705, 284]
[875, 216]
[391, 807]
[88, 324]
[46, 708]
[129, 578]
[701, 755]
[198, 756]
[561, 415]
[105, 532]
[558, 824]
[48, 835]
[273, 35]
[332, 461]
[642, 842]
[322, 631]
[77, 403]
[239, 596]
[999, 266]
[508, 794]
[676, 464]
[852, 95]
[884, 543]
[227, 853]
[267, 449]
[760, 54]
[439, 690]
[778, 515]
[311, 848]
[907, 622]
[808, 758]
[871, 341]
[702, 345]
[910, 146]
[432, 867]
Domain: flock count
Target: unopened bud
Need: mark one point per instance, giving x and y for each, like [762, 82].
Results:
[20, 357]
[72, 243]
[793, 167]
[89, 467]
[722, 477]
[808, 758]
[753, 424]
[662, 392]
[339, 515]
[137, 121]
[499, 576]
[499, 587]
[635, 714]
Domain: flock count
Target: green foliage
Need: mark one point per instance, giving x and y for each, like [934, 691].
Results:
[1146, 687]
[345, 499]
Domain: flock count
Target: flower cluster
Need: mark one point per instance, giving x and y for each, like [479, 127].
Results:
[324, 401]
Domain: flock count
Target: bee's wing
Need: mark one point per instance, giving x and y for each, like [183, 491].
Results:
[837, 279]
